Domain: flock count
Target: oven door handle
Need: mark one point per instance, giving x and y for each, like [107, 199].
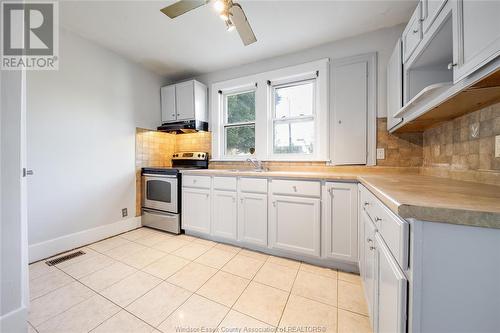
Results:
[158, 176]
[157, 213]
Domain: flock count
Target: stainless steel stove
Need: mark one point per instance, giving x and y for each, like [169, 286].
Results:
[161, 192]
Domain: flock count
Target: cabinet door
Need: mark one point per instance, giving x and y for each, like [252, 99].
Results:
[295, 225]
[392, 287]
[350, 112]
[370, 268]
[196, 210]
[252, 219]
[184, 97]
[412, 35]
[430, 10]
[168, 113]
[224, 214]
[394, 86]
[340, 221]
[478, 34]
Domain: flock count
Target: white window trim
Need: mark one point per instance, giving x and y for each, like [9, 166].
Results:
[263, 112]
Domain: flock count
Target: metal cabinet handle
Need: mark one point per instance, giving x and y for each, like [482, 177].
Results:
[369, 240]
[372, 248]
[294, 188]
[366, 203]
[27, 172]
[415, 31]
[451, 65]
[241, 200]
[274, 203]
[378, 219]
[194, 181]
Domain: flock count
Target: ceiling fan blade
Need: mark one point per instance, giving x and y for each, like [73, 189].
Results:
[239, 19]
[182, 7]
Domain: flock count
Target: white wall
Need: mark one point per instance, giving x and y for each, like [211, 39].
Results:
[381, 41]
[13, 237]
[81, 139]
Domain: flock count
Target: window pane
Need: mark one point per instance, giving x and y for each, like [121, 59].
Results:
[294, 101]
[240, 139]
[241, 107]
[294, 137]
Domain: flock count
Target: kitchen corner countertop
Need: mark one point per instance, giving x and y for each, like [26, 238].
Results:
[413, 196]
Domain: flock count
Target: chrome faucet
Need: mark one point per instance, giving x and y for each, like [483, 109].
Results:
[256, 163]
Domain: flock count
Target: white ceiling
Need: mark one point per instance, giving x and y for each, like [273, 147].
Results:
[197, 41]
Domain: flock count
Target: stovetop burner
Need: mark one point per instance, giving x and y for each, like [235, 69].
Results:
[181, 161]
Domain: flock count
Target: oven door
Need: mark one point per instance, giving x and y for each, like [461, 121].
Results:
[160, 192]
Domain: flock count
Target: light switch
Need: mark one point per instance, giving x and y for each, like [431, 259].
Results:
[497, 146]
[380, 153]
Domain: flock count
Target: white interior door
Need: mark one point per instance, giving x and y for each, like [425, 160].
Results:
[350, 110]
[13, 212]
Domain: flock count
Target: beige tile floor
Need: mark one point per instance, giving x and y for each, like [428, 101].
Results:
[149, 281]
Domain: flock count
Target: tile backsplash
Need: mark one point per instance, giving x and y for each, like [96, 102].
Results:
[401, 150]
[464, 148]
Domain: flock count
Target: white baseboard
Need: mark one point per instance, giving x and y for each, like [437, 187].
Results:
[54, 246]
[15, 321]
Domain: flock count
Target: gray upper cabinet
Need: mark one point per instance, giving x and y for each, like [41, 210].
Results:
[168, 112]
[394, 86]
[184, 101]
[477, 35]
[430, 10]
[412, 35]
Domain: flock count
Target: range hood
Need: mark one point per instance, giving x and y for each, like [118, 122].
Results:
[186, 126]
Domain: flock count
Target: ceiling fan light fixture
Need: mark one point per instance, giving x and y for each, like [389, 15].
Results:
[229, 25]
[219, 6]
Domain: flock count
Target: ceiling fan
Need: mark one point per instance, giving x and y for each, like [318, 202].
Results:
[229, 11]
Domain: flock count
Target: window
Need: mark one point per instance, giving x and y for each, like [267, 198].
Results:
[239, 125]
[293, 118]
[276, 115]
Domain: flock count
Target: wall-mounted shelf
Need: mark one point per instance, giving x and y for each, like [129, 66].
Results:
[440, 102]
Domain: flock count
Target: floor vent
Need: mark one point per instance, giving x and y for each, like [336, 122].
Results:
[64, 258]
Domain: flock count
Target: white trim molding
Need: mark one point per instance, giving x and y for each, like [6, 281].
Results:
[14, 321]
[61, 244]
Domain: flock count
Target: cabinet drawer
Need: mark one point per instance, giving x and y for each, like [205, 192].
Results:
[225, 183]
[394, 231]
[367, 201]
[196, 181]
[412, 34]
[296, 187]
[253, 185]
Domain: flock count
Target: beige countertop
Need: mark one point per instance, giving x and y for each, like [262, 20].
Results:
[408, 195]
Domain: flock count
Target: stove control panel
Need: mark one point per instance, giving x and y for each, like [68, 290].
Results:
[200, 156]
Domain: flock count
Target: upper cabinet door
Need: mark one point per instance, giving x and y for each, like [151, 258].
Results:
[168, 112]
[430, 10]
[412, 35]
[350, 112]
[184, 97]
[477, 34]
[394, 86]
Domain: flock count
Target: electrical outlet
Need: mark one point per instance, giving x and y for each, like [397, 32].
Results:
[497, 146]
[380, 154]
[124, 212]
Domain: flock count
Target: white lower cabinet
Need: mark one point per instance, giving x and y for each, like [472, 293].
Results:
[196, 209]
[225, 214]
[369, 267]
[340, 221]
[252, 218]
[384, 282]
[294, 224]
[392, 291]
